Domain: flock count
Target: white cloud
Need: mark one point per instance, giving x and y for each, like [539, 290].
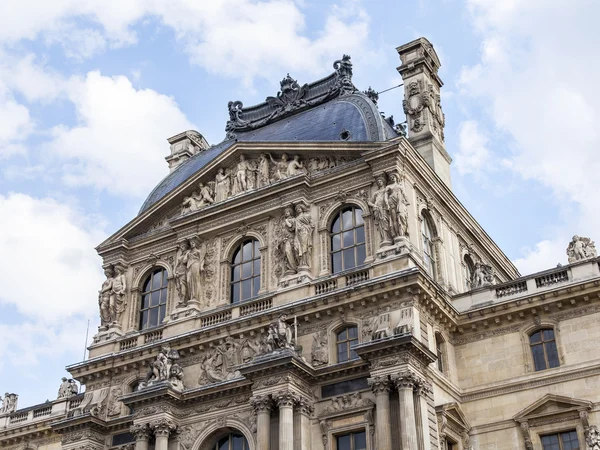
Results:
[120, 143]
[537, 83]
[15, 124]
[473, 154]
[50, 271]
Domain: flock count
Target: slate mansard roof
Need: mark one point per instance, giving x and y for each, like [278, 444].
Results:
[330, 109]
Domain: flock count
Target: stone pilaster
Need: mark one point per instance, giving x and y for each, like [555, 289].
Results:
[405, 383]
[422, 390]
[285, 401]
[162, 428]
[383, 432]
[303, 412]
[262, 405]
[141, 432]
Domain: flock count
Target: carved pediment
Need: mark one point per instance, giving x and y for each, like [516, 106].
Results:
[551, 405]
[450, 416]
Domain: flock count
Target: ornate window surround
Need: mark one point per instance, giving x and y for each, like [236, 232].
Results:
[424, 213]
[335, 327]
[349, 421]
[453, 425]
[136, 293]
[553, 414]
[326, 219]
[528, 329]
[333, 217]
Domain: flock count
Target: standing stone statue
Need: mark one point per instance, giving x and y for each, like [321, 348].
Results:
[195, 268]
[222, 185]
[181, 284]
[319, 353]
[581, 248]
[295, 167]
[397, 204]
[379, 207]
[119, 288]
[279, 335]
[106, 299]
[281, 167]
[243, 172]
[164, 369]
[263, 175]
[67, 388]
[287, 244]
[303, 239]
[9, 404]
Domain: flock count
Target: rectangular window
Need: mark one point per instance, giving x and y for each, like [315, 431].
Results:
[122, 438]
[343, 387]
[352, 441]
[561, 441]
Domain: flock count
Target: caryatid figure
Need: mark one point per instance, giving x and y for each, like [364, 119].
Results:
[398, 207]
[303, 238]
[380, 208]
[106, 298]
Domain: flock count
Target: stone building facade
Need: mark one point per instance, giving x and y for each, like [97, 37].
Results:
[312, 283]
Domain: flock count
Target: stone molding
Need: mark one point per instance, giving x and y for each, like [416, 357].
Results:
[163, 427]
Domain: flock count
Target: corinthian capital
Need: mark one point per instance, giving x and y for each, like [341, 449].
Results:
[305, 406]
[285, 399]
[261, 403]
[140, 431]
[380, 385]
[163, 427]
[406, 380]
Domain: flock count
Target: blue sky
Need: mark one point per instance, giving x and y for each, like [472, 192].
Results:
[90, 91]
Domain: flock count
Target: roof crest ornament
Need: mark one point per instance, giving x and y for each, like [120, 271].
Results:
[291, 98]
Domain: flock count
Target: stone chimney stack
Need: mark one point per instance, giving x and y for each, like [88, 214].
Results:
[184, 146]
[424, 116]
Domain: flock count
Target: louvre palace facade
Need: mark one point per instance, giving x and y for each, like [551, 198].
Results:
[312, 283]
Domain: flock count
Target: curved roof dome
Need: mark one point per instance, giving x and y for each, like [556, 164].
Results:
[352, 117]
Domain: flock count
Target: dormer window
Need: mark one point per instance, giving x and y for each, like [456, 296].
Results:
[543, 349]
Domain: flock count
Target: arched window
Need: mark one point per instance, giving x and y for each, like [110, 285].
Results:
[469, 270]
[154, 299]
[439, 342]
[543, 349]
[234, 441]
[245, 271]
[347, 239]
[428, 250]
[345, 341]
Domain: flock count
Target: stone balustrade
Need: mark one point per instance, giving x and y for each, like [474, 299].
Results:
[535, 284]
[48, 411]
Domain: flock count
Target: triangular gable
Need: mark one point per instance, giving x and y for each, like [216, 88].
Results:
[453, 417]
[550, 405]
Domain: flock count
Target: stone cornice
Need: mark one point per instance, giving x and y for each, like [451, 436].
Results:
[378, 352]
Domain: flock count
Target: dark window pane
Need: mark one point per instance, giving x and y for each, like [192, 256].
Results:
[144, 320]
[548, 335]
[347, 221]
[153, 317]
[335, 242]
[246, 289]
[352, 333]
[155, 298]
[358, 218]
[224, 444]
[256, 286]
[235, 292]
[247, 251]
[360, 441]
[246, 270]
[238, 442]
[256, 249]
[349, 261]
[360, 235]
[348, 238]
[336, 260]
[146, 287]
[335, 227]
[538, 357]
[235, 276]
[342, 335]
[161, 313]
[237, 256]
[122, 438]
[163, 295]
[165, 278]
[361, 254]
[156, 280]
[535, 337]
[343, 387]
[343, 442]
[256, 267]
[145, 301]
[552, 354]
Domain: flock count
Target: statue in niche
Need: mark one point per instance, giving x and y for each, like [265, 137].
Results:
[106, 298]
[181, 284]
[279, 335]
[205, 196]
[581, 248]
[9, 404]
[222, 185]
[263, 174]
[379, 207]
[592, 438]
[195, 267]
[281, 167]
[119, 288]
[243, 174]
[67, 388]
[397, 204]
[483, 275]
[164, 369]
[295, 167]
[303, 237]
[287, 243]
[319, 352]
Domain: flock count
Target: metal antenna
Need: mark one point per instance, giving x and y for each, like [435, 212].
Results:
[86, 339]
[389, 89]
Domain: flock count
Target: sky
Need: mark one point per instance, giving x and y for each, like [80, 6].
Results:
[90, 90]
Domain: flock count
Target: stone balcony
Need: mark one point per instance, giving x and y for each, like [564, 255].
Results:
[49, 411]
[537, 284]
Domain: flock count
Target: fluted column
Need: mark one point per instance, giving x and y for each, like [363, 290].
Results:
[262, 407]
[162, 429]
[285, 402]
[383, 431]
[141, 432]
[304, 409]
[405, 383]
[422, 389]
